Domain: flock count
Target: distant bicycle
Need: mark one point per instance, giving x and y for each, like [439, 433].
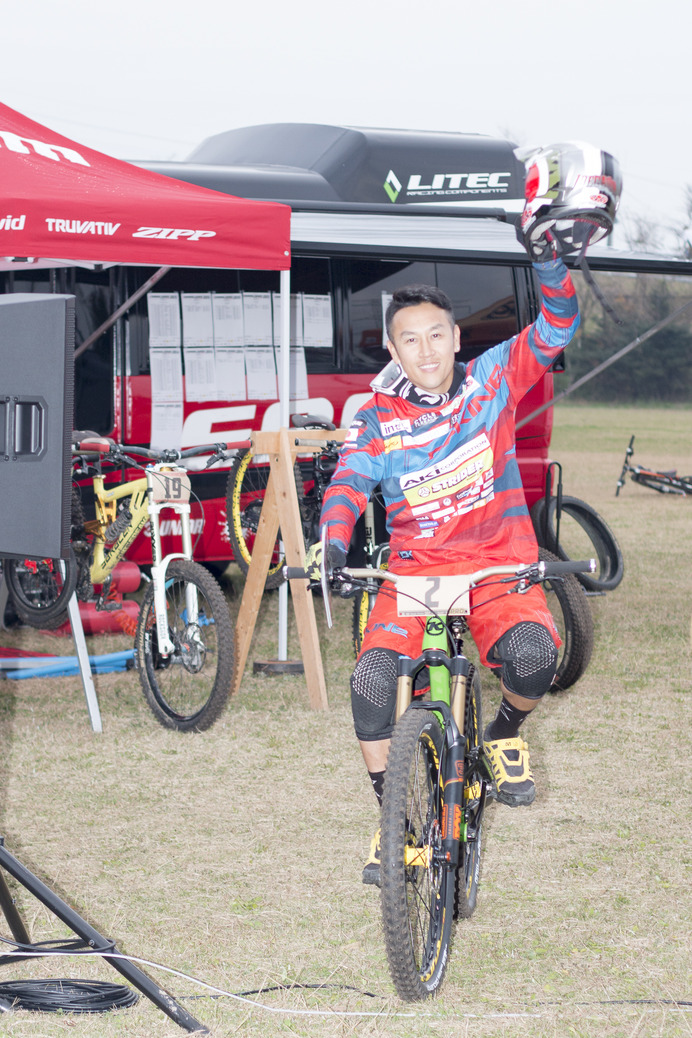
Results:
[665, 482]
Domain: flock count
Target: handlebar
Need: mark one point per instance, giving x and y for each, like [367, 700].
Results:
[534, 572]
[109, 450]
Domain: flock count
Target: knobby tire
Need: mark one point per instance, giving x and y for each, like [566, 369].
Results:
[188, 690]
[572, 613]
[578, 514]
[468, 873]
[417, 900]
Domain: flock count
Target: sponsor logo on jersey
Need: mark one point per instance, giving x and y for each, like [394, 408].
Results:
[56, 226]
[425, 419]
[393, 443]
[395, 426]
[461, 456]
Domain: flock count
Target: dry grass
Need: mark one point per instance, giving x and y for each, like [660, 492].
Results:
[235, 855]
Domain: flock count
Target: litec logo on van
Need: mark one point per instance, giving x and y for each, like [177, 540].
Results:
[448, 184]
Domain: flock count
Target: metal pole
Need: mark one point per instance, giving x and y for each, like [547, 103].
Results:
[284, 417]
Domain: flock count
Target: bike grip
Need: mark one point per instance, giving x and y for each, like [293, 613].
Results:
[553, 569]
[295, 573]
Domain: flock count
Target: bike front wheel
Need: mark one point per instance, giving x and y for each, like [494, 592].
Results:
[188, 689]
[417, 892]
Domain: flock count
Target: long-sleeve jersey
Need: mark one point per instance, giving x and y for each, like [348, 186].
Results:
[447, 466]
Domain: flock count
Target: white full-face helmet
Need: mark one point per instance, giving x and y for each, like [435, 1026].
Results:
[572, 191]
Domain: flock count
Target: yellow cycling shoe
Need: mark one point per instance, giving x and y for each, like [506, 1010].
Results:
[509, 763]
[371, 872]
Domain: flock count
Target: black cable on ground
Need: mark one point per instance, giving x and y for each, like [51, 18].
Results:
[66, 996]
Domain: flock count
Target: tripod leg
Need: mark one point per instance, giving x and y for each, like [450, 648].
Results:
[62, 910]
[14, 920]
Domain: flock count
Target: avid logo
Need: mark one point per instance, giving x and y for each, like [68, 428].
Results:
[392, 186]
[12, 223]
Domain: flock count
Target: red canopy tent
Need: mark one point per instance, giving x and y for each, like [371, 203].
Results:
[64, 203]
[61, 199]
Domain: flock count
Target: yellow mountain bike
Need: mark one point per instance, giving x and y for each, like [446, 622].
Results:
[184, 646]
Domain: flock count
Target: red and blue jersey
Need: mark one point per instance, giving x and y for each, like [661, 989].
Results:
[447, 465]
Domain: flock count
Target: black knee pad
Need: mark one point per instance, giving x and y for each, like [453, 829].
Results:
[373, 694]
[529, 659]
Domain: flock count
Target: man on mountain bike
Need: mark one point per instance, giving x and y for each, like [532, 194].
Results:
[439, 438]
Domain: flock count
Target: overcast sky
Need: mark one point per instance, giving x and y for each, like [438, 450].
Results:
[150, 79]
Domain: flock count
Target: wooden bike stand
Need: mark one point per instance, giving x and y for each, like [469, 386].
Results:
[281, 509]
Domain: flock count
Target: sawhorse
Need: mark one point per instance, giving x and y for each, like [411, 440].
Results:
[281, 510]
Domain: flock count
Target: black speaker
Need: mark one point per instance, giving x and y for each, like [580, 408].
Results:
[36, 415]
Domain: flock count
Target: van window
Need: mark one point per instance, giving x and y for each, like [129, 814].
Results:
[483, 298]
[484, 304]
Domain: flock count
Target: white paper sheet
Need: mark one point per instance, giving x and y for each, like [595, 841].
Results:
[257, 319]
[296, 333]
[166, 374]
[200, 373]
[230, 373]
[163, 309]
[260, 368]
[317, 321]
[198, 324]
[227, 309]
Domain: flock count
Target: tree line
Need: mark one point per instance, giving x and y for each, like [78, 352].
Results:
[658, 370]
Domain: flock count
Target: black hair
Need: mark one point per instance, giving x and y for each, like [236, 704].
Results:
[414, 295]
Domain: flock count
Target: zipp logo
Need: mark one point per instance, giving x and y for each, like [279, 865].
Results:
[172, 233]
[25, 146]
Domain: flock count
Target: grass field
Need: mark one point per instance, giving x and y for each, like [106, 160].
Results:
[234, 856]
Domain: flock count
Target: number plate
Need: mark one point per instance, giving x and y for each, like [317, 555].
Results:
[420, 596]
[173, 485]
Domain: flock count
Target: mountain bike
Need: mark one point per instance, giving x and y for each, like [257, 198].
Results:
[438, 783]
[667, 482]
[184, 646]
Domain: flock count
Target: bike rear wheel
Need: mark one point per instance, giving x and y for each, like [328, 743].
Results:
[582, 533]
[189, 689]
[417, 892]
[569, 605]
[245, 490]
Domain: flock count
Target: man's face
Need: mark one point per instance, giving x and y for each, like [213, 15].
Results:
[423, 342]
